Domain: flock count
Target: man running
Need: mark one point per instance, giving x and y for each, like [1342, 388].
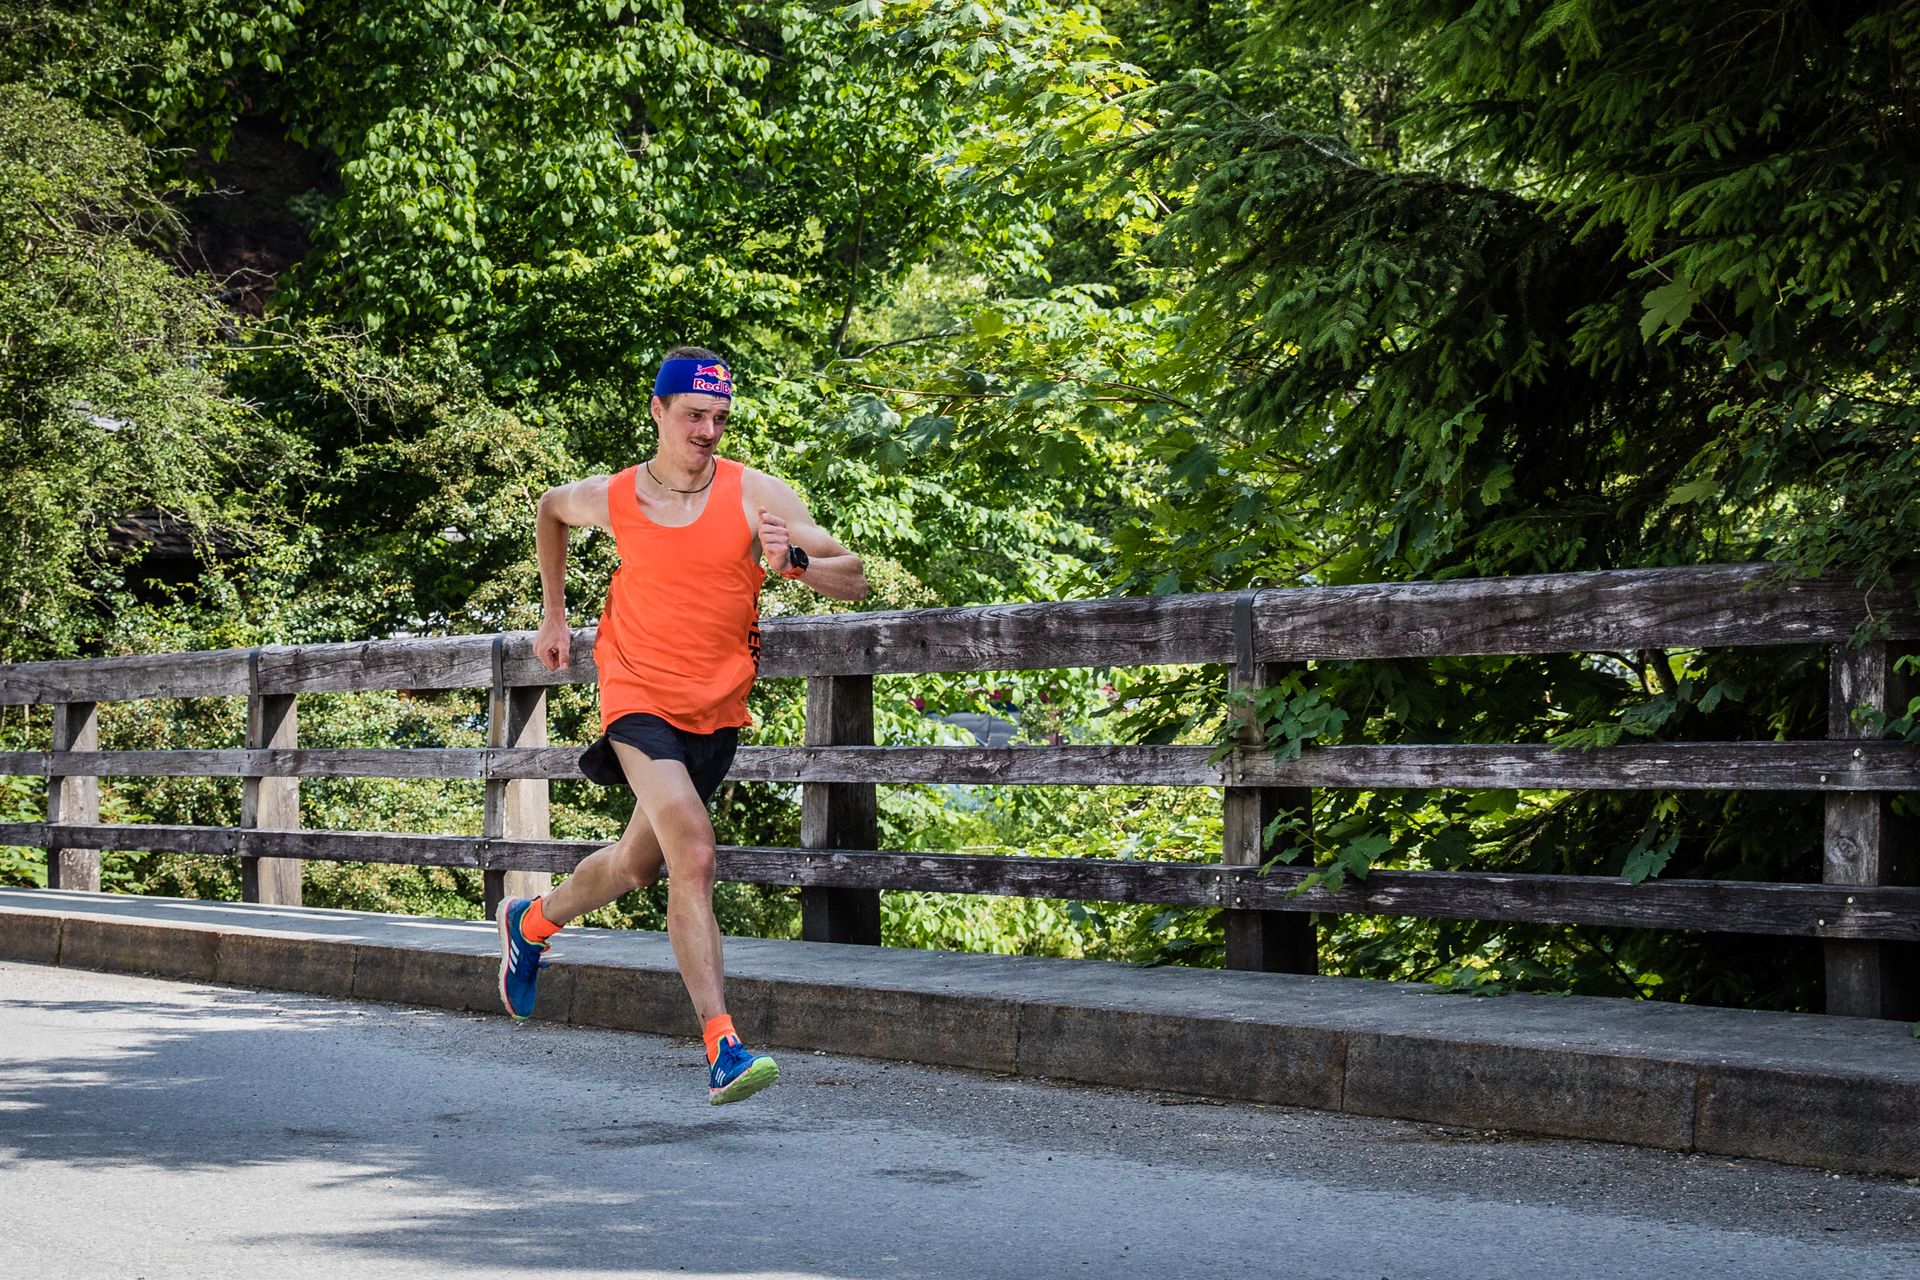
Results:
[678, 649]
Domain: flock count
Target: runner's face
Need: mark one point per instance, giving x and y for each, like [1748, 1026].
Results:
[691, 428]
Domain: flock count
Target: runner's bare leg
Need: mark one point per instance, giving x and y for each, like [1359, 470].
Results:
[664, 791]
[631, 862]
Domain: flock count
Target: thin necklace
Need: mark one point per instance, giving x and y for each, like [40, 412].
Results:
[648, 464]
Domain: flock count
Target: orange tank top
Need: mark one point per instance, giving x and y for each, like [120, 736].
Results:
[680, 637]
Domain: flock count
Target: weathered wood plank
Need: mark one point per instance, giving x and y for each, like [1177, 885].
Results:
[514, 808]
[71, 865]
[1880, 913]
[415, 762]
[452, 662]
[839, 815]
[1262, 941]
[1867, 843]
[335, 846]
[1138, 631]
[532, 762]
[217, 673]
[273, 723]
[1679, 766]
[1556, 613]
[408, 762]
[985, 766]
[1709, 905]
[1689, 766]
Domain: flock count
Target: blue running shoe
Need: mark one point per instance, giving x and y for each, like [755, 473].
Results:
[738, 1073]
[520, 962]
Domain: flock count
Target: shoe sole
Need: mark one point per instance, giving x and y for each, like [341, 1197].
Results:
[500, 916]
[762, 1073]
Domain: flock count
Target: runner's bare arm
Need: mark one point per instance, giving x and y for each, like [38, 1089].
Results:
[784, 521]
[562, 507]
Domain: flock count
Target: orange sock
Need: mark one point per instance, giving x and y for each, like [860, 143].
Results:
[718, 1029]
[534, 925]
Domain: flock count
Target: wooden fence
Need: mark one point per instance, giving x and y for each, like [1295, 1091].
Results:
[1866, 912]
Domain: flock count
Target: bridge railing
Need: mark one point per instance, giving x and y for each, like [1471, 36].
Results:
[1863, 911]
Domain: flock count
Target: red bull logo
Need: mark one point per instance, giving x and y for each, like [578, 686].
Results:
[714, 379]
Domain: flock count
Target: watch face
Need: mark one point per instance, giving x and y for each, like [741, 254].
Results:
[796, 557]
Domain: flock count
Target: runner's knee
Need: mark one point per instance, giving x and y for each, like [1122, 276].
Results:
[693, 867]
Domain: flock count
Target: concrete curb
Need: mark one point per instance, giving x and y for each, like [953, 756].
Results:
[1840, 1093]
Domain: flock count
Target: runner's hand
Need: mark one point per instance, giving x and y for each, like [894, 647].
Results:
[553, 644]
[774, 541]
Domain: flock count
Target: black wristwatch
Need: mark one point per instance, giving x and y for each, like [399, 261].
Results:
[796, 563]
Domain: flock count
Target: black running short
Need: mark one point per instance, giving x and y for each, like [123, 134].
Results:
[707, 756]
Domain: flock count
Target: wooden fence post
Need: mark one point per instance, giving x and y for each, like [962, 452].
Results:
[516, 808]
[1867, 844]
[76, 727]
[1266, 941]
[839, 815]
[270, 804]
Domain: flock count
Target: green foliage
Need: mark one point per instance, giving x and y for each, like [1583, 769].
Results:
[1288, 715]
[22, 800]
[1444, 289]
[1031, 301]
[1531, 320]
[526, 205]
[1125, 823]
[110, 401]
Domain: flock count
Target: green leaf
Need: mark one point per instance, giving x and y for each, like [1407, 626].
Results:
[1357, 856]
[1692, 492]
[1667, 308]
[1646, 859]
[1498, 481]
[929, 431]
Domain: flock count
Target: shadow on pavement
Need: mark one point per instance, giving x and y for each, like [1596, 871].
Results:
[454, 1144]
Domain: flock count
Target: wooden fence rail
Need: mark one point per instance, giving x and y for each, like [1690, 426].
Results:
[1680, 766]
[1867, 913]
[1549, 613]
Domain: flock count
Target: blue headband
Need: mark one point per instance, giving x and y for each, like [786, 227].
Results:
[707, 377]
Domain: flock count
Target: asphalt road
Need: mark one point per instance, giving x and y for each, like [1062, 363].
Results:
[159, 1129]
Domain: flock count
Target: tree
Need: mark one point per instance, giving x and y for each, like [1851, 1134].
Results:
[513, 211]
[1436, 289]
[111, 400]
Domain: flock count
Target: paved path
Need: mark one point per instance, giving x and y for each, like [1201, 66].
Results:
[158, 1129]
